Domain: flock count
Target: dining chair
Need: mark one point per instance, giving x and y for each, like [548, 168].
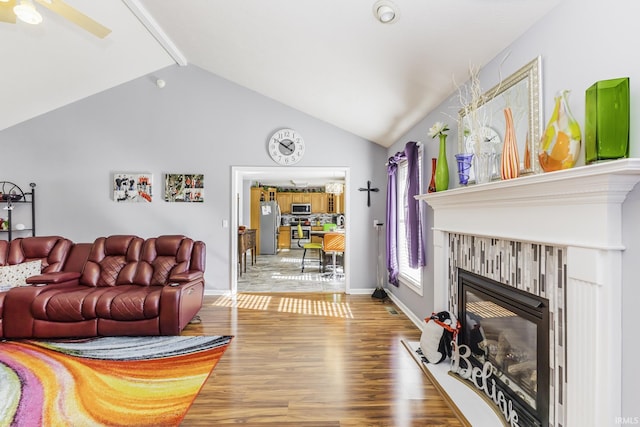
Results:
[306, 246]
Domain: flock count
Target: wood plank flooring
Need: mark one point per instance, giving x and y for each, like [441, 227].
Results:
[313, 360]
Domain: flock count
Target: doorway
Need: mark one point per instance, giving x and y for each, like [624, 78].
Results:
[242, 177]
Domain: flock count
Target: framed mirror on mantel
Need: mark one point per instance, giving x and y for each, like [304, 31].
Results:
[522, 92]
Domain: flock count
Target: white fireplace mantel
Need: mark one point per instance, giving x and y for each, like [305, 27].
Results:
[579, 209]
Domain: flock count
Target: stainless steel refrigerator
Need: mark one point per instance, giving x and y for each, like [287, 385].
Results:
[269, 227]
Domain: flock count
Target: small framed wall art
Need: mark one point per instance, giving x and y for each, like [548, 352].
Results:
[132, 187]
[184, 187]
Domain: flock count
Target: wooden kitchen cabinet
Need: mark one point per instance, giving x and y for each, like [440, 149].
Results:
[319, 203]
[340, 203]
[284, 201]
[316, 239]
[335, 203]
[300, 198]
[284, 238]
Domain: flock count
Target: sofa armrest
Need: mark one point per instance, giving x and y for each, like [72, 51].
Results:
[57, 277]
[187, 276]
[179, 302]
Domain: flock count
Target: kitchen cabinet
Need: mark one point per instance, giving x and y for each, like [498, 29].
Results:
[284, 201]
[284, 238]
[335, 203]
[300, 198]
[319, 202]
[316, 239]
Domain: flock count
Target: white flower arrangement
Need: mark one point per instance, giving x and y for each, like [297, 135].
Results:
[472, 98]
[438, 129]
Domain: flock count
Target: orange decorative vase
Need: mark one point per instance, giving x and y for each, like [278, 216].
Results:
[510, 162]
[560, 143]
[432, 183]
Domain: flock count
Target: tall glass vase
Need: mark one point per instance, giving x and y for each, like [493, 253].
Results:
[510, 162]
[432, 183]
[606, 121]
[442, 168]
[560, 144]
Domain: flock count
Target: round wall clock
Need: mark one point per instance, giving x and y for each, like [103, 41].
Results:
[489, 138]
[286, 147]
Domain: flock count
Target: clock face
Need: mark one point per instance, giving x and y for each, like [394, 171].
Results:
[286, 147]
[489, 139]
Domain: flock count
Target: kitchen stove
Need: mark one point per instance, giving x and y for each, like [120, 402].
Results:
[299, 241]
[302, 220]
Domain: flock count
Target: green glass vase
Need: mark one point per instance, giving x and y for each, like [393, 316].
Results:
[606, 122]
[442, 168]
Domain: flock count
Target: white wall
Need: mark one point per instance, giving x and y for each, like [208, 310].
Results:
[198, 123]
[580, 43]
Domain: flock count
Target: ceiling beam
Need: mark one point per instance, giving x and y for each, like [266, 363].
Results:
[155, 30]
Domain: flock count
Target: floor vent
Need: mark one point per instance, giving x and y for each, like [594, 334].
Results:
[391, 310]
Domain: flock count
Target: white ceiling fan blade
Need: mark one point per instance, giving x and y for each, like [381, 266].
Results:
[6, 11]
[78, 18]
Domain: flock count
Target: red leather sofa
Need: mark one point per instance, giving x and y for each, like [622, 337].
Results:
[117, 285]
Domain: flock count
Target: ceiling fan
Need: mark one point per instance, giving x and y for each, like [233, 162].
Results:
[25, 11]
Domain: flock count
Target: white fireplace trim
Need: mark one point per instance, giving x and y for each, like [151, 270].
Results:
[580, 209]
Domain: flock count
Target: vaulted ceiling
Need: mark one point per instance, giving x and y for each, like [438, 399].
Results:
[328, 58]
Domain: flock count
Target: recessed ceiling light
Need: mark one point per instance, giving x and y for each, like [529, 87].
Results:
[385, 11]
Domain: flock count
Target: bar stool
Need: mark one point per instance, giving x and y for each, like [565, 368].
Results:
[333, 244]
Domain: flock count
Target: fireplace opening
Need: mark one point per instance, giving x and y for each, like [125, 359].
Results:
[509, 329]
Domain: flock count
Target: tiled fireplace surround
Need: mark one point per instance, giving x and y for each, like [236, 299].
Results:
[558, 235]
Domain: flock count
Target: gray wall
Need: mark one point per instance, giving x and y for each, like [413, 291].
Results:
[580, 43]
[198, 123]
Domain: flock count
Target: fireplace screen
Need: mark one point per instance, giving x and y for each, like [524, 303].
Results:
[509, 329]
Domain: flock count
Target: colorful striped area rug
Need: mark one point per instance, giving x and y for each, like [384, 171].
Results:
[111, 381]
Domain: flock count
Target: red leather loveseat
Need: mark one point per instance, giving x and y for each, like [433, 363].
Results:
[118, 285]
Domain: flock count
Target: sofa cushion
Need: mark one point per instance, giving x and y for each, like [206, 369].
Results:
[112, 261]
[16, 275]
[52, 251]
[129, 302]
[65, 305]
[122, 303]
[167, 255]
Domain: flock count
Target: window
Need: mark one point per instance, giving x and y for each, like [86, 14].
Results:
[411, 277]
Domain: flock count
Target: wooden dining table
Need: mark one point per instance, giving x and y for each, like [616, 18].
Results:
[323, 232]
[246, 242]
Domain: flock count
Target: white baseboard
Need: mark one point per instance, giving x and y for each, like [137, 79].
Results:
[361, 291]
[415, 319]
[217, 292]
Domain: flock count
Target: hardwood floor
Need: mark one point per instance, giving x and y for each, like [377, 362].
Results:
[321, 360]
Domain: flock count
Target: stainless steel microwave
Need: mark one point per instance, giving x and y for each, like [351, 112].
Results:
[300, 208]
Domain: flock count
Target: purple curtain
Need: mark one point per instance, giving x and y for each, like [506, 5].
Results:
[413, 213]
[392, 218]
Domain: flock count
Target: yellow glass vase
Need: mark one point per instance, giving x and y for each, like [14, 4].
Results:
[560, 143]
